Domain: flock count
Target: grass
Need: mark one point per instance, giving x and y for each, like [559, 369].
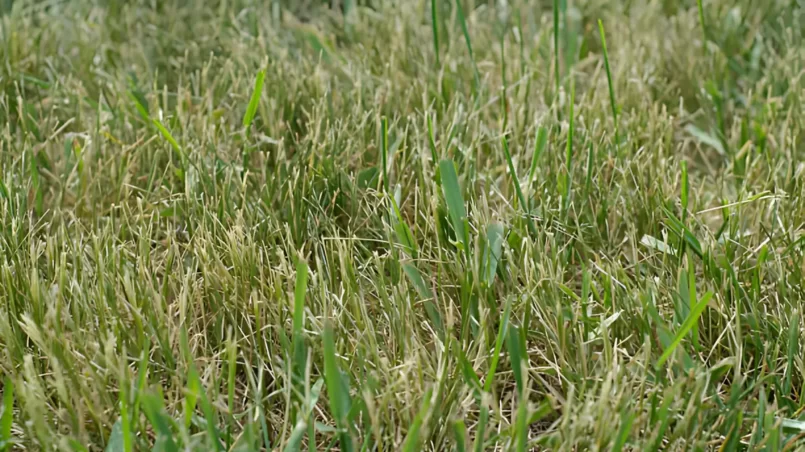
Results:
[414, 225]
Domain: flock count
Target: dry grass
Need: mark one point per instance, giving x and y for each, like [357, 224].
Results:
[393, 242]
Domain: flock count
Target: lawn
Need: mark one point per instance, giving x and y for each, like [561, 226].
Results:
[359, 225]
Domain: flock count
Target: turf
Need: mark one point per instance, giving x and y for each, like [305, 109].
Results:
[418, 225]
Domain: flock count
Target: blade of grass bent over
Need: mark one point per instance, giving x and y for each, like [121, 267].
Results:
[693, 317]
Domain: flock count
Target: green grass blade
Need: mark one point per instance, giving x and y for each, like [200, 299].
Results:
[468, 372]
[298, 339]
[613, 105]
[557, 52]
[432, 144]
[492, 251]
[232, 354]
[455, 201]
[424, 291]
[338, 393]
[539, 148]
[521, 427]
[793, 349]
[466, 31]
[460, 435]
[294, 443]
[254, 102]
[542, 410]
[693, 317]
[703, 24]
[517, 189]
[569, 151]
[588, 182]
[434, 20]
[6, 414]
[412, 439]
[404, 235]
[154, 410]
[115, 443]
[384, 152]
[194, 383]
[627, 419]
[502, 335]
[517, 357]
[172, 141]
[685, 190]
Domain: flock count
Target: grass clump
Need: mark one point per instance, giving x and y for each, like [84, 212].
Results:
[414, 225]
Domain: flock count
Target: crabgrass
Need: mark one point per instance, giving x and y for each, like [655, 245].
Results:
[414, 225]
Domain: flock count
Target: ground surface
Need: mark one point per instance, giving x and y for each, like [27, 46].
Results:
[235, 225]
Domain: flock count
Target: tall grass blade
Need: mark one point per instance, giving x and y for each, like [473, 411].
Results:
[465, 30]
[298, 339]
[503, 330]
[425, 293]
[195, 386]
[6, 414]
[254, 101]
[517, 189]
[412, 439]
[613, 105]
[337, 391]
[556, 50]
[492, 252]
[517, 357]
[455, 202]
[539, 147]
[793, 350]
[693, 317]
[434, 21]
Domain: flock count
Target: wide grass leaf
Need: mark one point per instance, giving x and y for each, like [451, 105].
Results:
[337, 390]
[254, 101]
[686, 327]
[455, 201]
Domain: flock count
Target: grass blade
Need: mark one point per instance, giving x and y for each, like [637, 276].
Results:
[404, 235]
[612, 102]
[703, 24]
[254, 102]
[539, 148]
[492, 252]
[294, 443]
[455, 202]
[693, 317]
[516, 355]
[465, 30]
[338, 393]
[155, 412]
[434, 21]
[460, 435]
[556, 59]
[172, 141]
[297, 340]
[793, 349]
[518, 190]
[424, 291]
[569, 152]
[384, 152]
[502, 334]
[6, 414]
[194, 383]
[412, 439]
[521, 427]
[627, 418]
[115, 442]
